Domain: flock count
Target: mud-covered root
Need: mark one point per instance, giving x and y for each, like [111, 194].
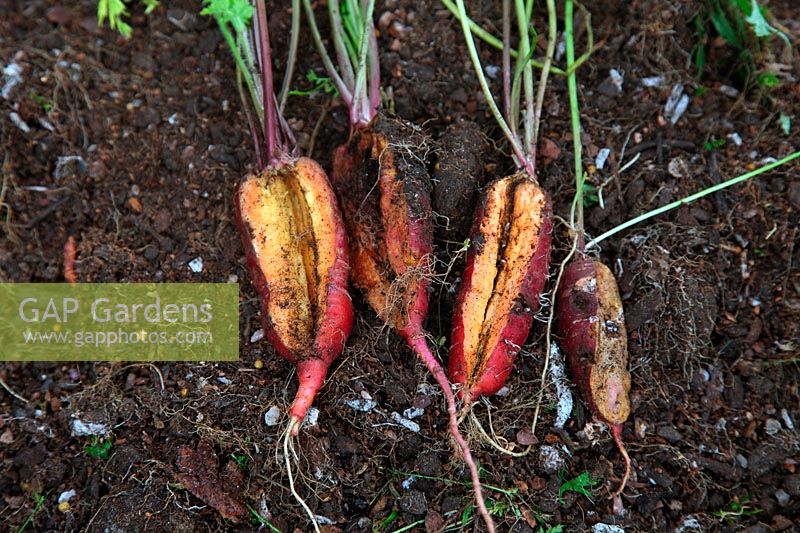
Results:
[616, 431]
[289, 453]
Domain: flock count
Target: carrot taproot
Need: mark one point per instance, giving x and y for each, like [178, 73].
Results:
[291, 227]
[591, 326]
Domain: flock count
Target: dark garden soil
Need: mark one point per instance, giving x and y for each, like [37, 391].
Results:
[134, 147]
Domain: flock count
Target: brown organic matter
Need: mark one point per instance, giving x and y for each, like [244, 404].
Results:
[198, 473]
[457, 177]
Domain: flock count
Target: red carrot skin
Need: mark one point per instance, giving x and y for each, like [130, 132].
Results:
[297, 255]
[591, 325]
[506, 270]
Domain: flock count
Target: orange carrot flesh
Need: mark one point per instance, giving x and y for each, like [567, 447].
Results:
[505, 274]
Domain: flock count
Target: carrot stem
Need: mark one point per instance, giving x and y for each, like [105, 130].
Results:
[417, 343]
[294, 39]
[513, 139]
[692, 197]
[341, 86]
[576, 212]
[268, 90]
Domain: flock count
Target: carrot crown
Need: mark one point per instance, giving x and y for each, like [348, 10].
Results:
[357, 77]
[245, 27]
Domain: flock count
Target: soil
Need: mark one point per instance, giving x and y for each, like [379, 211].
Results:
[135, 147]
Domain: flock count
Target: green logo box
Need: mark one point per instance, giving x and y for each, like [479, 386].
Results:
[119, 322]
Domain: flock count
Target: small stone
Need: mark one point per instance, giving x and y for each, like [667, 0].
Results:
[413, 502]
[196, 265]
[792, 484]
[783, 497]
[7, 437]
[526, 437]
[772, 427]
[272, 416]
[548, 150]
[433, 522]
[66, 496]
[58, 15]
[607, 528]
[669, 433]
[552, 459]
[256, 336]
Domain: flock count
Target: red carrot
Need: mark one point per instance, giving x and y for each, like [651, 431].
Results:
[590, 317]
[591, 326]
[289, 220]
[509, 253]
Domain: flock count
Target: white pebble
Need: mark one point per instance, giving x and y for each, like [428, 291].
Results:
[406, 423]
[196, 265]
[653, 81]
[66, 495]
[787, 419]
[256, 336]
[272, 416]
[413, 412]
[689, 522]
[736, 138]
[86, 429]
[18, 122]
[616, 78]
[607, 528]
[676, 105]
[602, 157]
[552, 458]
[311, 418]
[772, 426]
[492, 71]
[565, 403]
[365, 406]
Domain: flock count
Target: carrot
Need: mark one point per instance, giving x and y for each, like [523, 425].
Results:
[505, 273]
[590, 319]
[296, 248]
[591, 326]
[509, 254]
[290, 224]
[383, 185]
